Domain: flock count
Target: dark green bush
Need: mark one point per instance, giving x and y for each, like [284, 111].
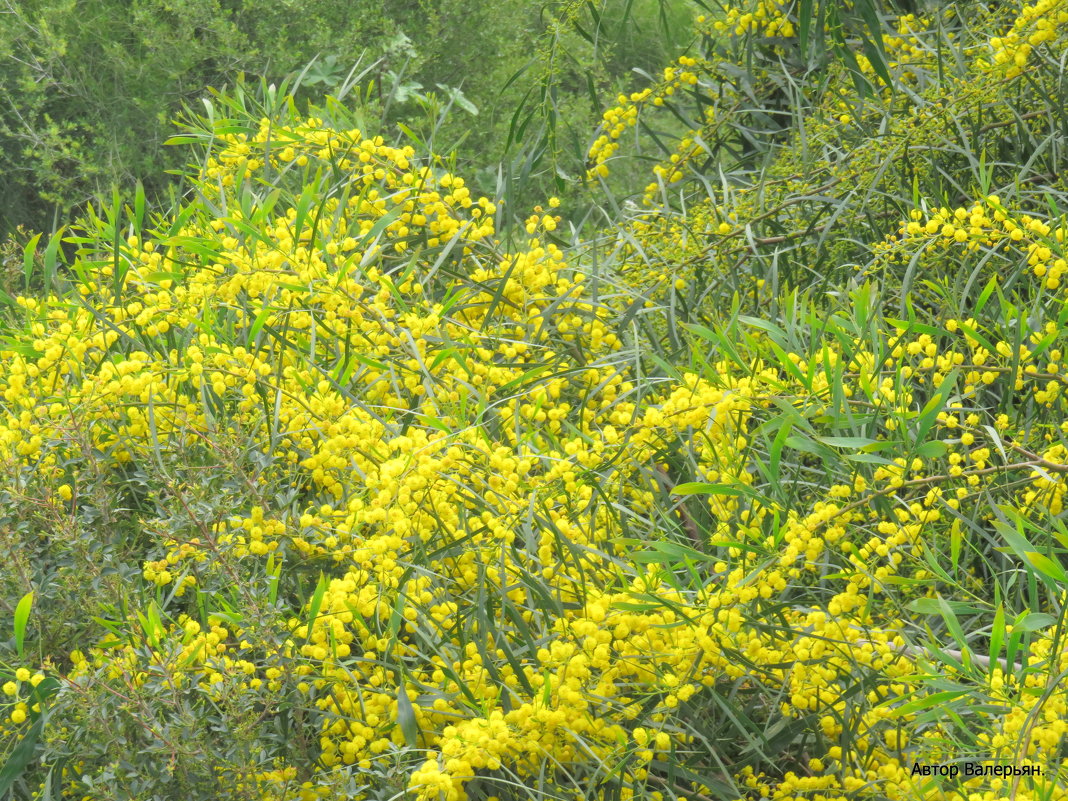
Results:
[91, 88]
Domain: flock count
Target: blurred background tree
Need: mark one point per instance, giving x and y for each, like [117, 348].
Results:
[90, 89]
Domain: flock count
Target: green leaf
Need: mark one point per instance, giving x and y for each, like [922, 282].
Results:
[1047, 567]
[984, 296]
[21, 756]
[149, 625]
[973, 333]
[997, 635]
[951, 622]
[406, 717]
[27, 259]
[669, 553]
[43, 691]
[932, 606]
[274, 571]
[954, 545]
[1033, 621]
[873, 44]
[257, 324]
[1052, 572]
[932, 450]
[701, 488]
[139, 206]
[22, 616]
[804, 20]
[51, 257]
[929, 414]
[316, 603]
[934, 699]
[775, 454]
[860, 443]
[807, 445]
[380, 225]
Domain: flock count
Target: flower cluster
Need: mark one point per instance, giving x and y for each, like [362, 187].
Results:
[618, 119]
[455, 540]
[1038, 24]
[768, 18]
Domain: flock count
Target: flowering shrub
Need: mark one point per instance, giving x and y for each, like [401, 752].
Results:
[337, 493]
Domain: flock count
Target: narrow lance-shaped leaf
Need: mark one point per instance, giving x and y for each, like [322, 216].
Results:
[406, 717]
[997, 634]
[20, 757]
[28, 254]
[316, 603]
[22, 616]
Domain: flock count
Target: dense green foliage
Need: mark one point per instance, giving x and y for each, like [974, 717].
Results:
[91, 89]
[333, 480]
